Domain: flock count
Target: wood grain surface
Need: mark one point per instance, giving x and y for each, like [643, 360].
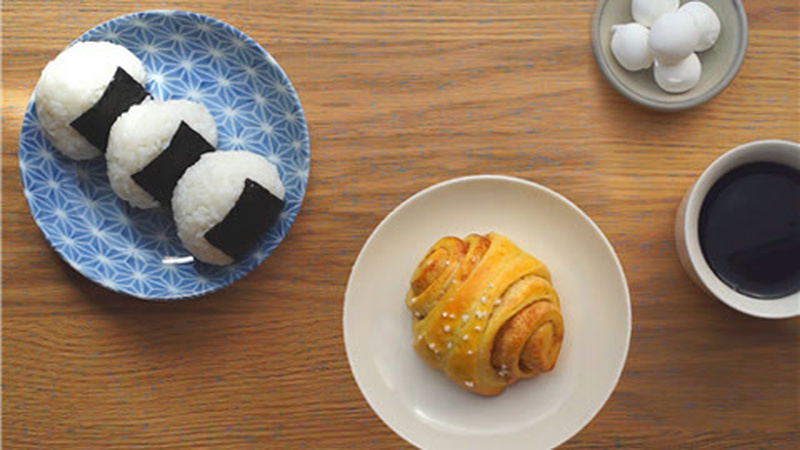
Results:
[400, 95]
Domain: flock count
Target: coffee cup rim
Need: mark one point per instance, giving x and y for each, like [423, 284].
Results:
[772, 150]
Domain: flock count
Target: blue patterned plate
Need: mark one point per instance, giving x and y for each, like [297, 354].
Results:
[137, 252]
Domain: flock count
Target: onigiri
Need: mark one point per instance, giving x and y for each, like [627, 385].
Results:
[151, 146]
[225, 203]
[82, 91]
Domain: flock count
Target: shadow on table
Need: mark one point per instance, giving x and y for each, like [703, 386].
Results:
[187, 326]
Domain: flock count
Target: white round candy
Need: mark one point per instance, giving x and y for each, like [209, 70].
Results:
[629, 46]
[707, 23]
[647, 11]
[680, 77]
[673, 37]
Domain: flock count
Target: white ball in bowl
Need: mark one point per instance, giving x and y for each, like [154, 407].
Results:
[647, 11]
[680, 77]
[673, 37]
[629, 46]
[707, 22]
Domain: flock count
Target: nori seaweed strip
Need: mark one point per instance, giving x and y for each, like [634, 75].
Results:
[160, 176]
[255, 211]
[120, 94]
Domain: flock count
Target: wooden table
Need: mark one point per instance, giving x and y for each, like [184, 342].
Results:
[400, 95]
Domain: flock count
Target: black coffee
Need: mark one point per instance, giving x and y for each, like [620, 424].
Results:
[750, 229]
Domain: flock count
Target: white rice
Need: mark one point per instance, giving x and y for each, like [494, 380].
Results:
[72, 83]
[144, 132]
[209, 189]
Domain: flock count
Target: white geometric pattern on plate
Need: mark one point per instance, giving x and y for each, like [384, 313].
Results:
[137, 252]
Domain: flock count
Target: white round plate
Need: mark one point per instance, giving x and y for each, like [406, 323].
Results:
[421, 404]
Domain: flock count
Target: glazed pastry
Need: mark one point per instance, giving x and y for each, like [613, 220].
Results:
[484, 313]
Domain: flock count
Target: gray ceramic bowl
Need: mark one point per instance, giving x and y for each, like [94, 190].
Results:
[721, 62]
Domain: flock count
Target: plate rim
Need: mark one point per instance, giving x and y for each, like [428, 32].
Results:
[348, 338]
[227, 27]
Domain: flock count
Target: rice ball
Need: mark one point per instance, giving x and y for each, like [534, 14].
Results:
[72, 83]
[147, 154]
[225, 203]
